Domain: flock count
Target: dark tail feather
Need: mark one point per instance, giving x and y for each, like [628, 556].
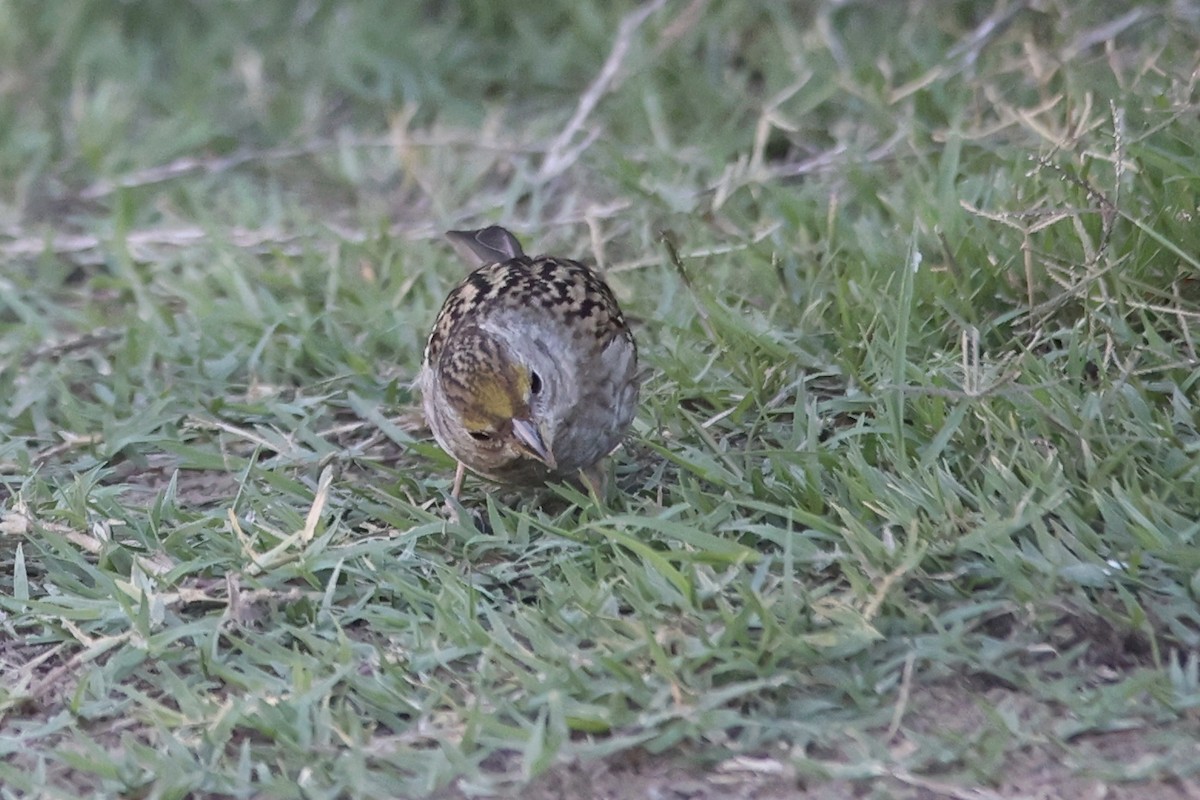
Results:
[491, 244]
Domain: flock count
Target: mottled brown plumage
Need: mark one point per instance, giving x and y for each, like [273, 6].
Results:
[565, 290]
[530, 370]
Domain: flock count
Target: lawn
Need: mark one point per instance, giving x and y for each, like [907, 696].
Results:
[911, 505]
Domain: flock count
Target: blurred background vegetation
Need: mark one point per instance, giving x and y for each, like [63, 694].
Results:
[912, 497]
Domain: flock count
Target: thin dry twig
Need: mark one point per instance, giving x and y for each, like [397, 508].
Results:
[63, 673]
[962, 56]
[834, 157]
[942, 788]
[677, 28]
[141, 243]
[216, 164]
[70, 441]
[906, 682]
[1104, 33]
[968, 50]
[562, 153]
[56, 350]
[703, 252]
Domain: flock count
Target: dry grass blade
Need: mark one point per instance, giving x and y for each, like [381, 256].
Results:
[564, 150]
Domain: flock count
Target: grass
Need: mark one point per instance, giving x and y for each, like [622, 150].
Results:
[910, 504]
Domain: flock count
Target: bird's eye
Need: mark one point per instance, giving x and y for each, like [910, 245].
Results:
[480, 436]
[535, 383]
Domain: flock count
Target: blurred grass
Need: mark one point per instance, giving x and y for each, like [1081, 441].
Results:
[924, 417]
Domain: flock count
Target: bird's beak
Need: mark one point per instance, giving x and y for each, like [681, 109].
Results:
[532, 442]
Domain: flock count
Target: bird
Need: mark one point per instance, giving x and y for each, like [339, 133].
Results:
[530, 373]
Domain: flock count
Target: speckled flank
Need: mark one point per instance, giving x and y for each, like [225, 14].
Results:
[562, 288]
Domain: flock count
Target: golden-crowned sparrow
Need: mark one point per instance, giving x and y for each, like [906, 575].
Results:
[530, 370]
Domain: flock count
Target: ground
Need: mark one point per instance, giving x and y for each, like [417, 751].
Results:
[909, 506]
